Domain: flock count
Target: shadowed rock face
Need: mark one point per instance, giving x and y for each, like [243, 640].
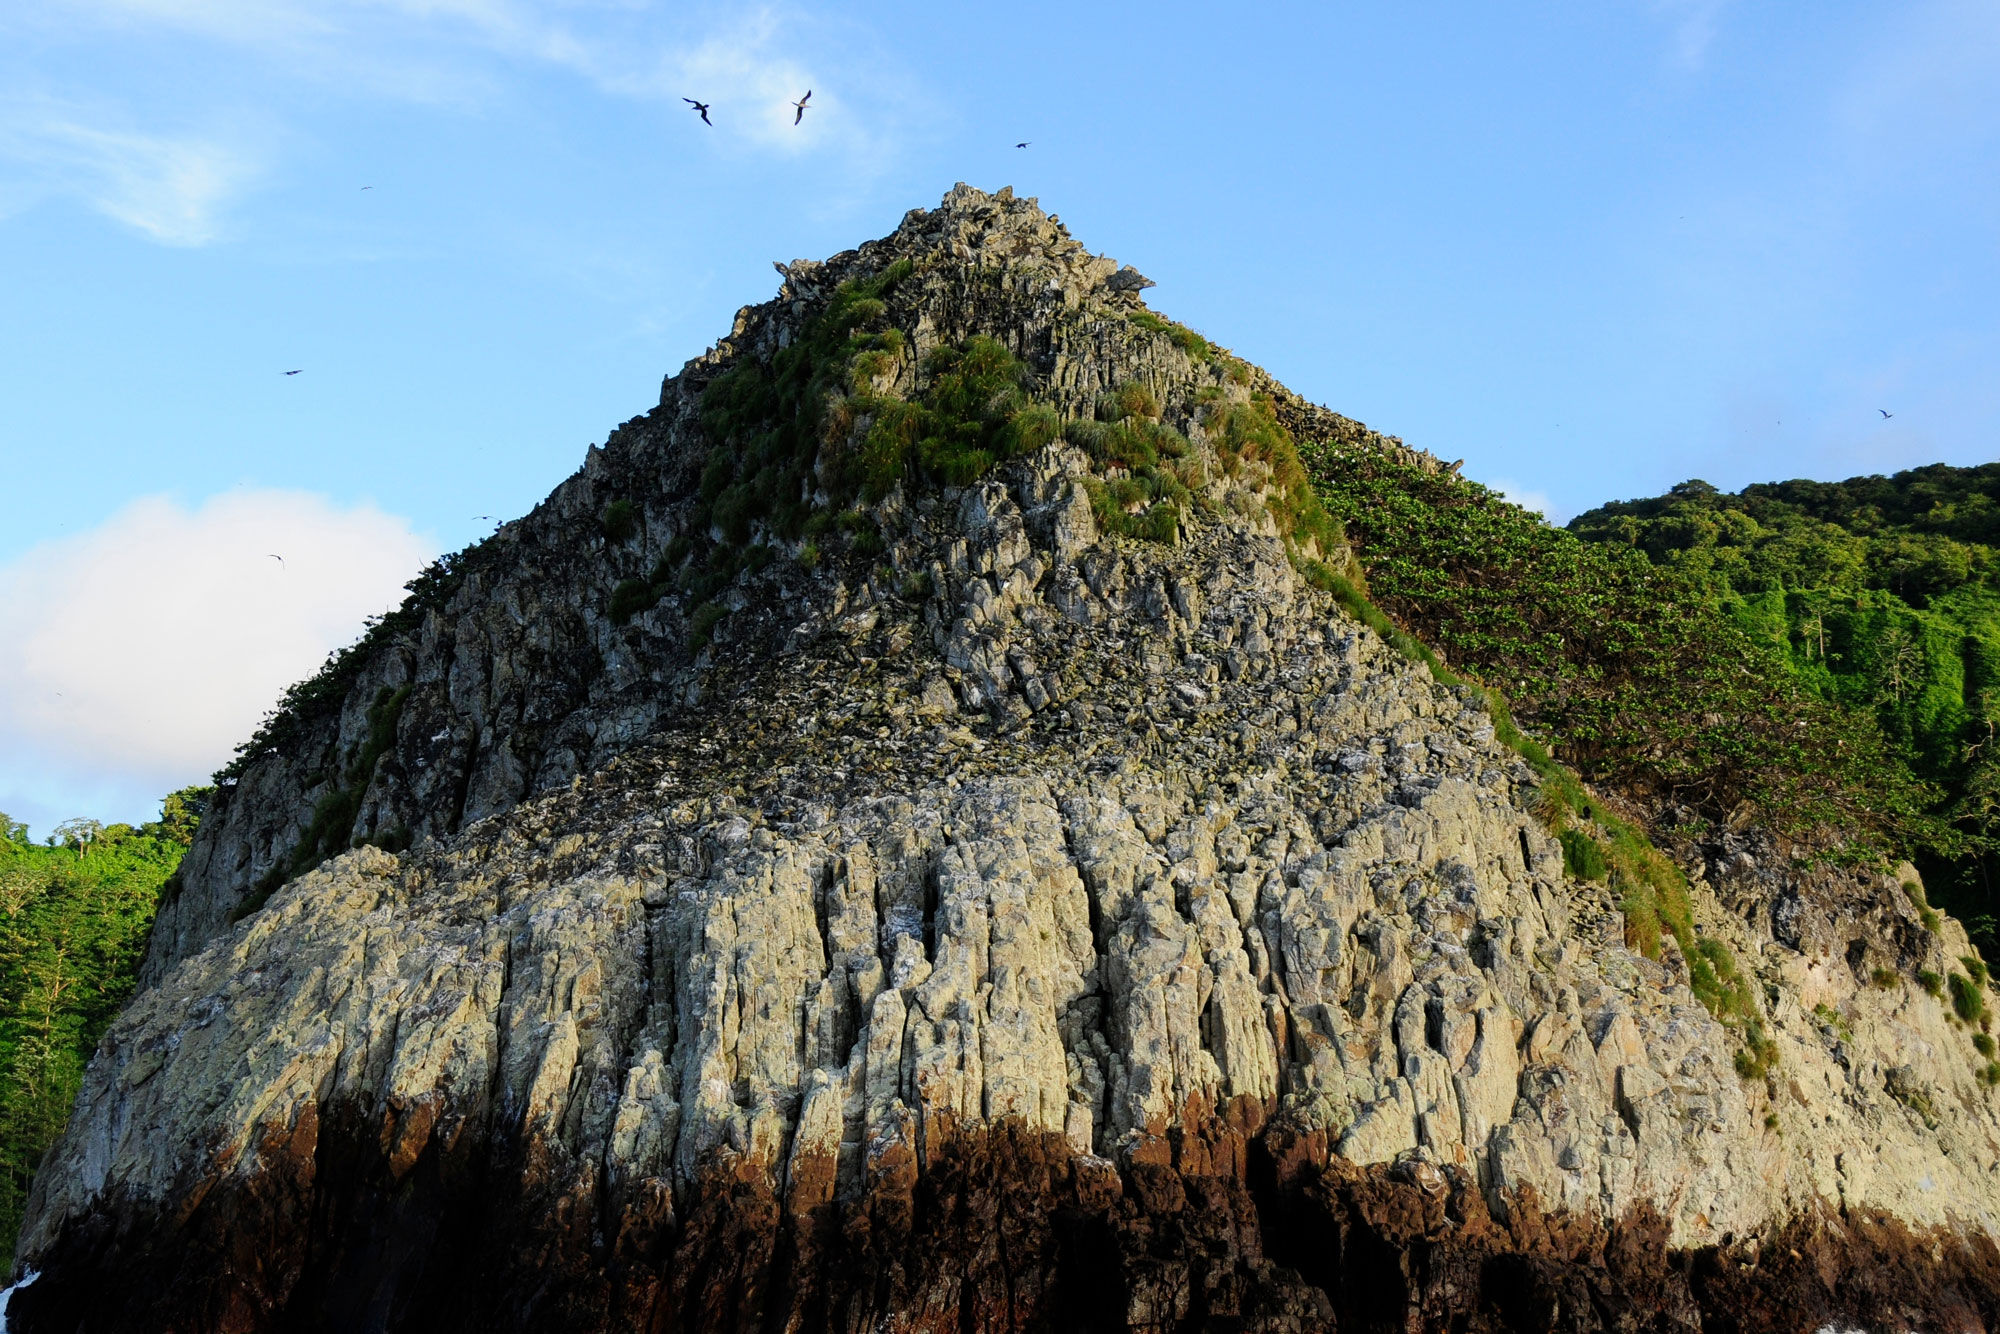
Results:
[1017, 927]
[1003, 1230]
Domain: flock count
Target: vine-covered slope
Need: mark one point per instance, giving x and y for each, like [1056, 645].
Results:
[1879, 596]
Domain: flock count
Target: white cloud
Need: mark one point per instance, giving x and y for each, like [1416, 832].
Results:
[174, 189]
[1537, 501]
[138, 655]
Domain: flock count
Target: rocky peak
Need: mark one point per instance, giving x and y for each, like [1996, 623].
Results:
[538, 654]
[905, 839]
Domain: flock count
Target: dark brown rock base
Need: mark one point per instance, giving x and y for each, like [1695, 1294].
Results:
[1001, 1230]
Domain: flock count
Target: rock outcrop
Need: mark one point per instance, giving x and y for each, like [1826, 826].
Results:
[1001, 924]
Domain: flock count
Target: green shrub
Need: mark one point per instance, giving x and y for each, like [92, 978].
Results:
[702, 623]
[631, 597]
[1885, 977]
[619, 522]
[1983, 1043]
[1757, 1057]
[864, 538]
[1966, 999]
[1975, 968]
[1931, 982]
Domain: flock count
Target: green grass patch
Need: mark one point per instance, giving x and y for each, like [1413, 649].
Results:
[1182, 337]
[1831, 1019]
[1925, 913]
[1583, 859]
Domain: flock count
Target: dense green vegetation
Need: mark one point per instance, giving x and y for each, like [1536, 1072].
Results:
[1880, 595]
[74, 913]
[1629, 669]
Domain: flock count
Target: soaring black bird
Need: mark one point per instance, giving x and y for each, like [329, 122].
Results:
[275, 556]
[294, 372]
[1020, 145]
[1886, 414]
[801, 105]
[700, 109]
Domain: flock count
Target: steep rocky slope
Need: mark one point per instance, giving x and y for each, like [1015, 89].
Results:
[1020, 903]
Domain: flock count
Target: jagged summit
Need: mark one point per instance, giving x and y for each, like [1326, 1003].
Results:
[904, 839]
[546, 650]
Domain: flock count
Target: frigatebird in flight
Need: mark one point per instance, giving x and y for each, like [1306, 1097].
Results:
[801, 105]
[1886, 414]
[700, 109]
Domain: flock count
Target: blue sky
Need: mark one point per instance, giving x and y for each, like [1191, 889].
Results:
[1593, 249]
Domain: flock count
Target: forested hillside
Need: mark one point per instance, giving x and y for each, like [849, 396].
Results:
[1631, 670]
[1876, 594]
[74, 912]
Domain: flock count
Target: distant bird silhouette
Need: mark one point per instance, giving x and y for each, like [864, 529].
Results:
[1020, 145]
[275, 556]
[294, 372]
[368, 187]
[482, 516]
[1886, 414]
[700, 109]
[801, 105]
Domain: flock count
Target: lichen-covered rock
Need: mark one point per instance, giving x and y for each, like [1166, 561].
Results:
[1037, 929]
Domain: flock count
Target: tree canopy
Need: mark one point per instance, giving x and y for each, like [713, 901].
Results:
[74, 913]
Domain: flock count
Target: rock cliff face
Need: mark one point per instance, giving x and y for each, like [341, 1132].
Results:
[996, 923]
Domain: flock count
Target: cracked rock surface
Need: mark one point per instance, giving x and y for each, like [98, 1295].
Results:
[1089, 933]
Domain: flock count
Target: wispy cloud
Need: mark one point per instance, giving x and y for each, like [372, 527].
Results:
[1693, 25]
[174, 188]
[281, 62]
[750, 63]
